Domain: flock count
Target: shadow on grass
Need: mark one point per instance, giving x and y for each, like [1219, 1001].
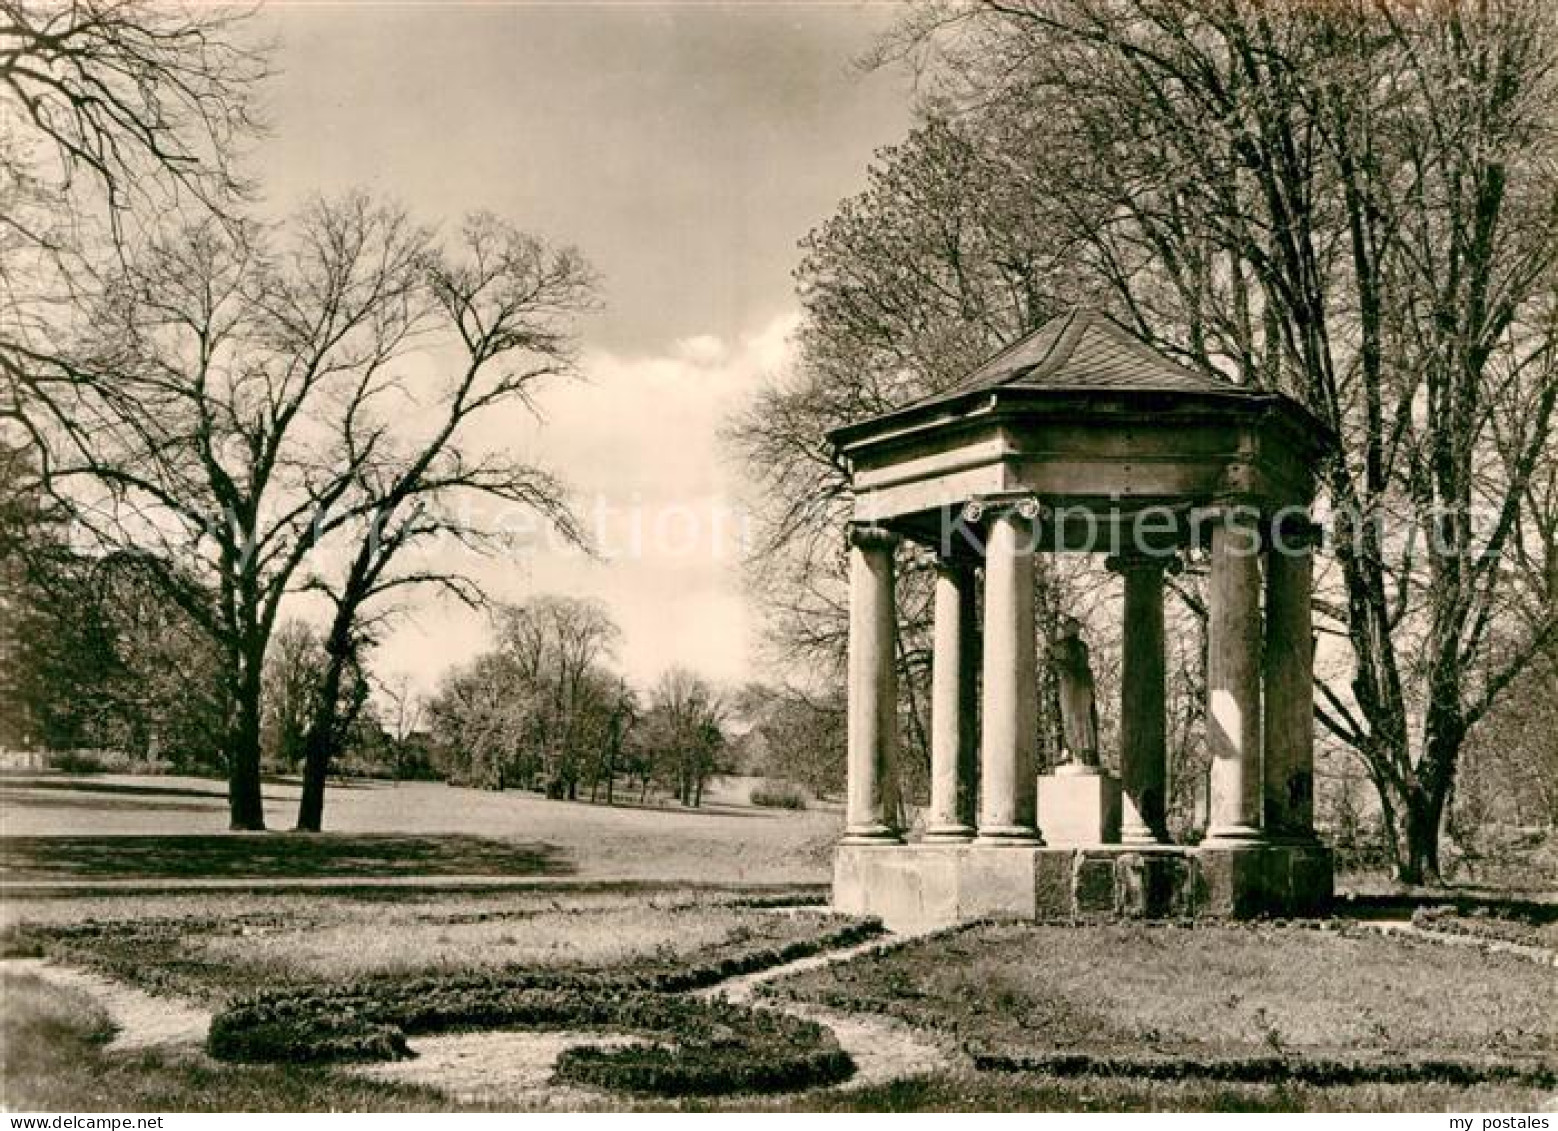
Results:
[708, 809]
[273, 855]
[22, 786]
[25, 799]
[91, 783]
[1533, 907]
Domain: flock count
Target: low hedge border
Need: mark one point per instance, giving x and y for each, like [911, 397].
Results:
[659, 1071]
[1516, 936]
[698, 1046]
[1403, 904]
[714, 1047]
[1319, 1070]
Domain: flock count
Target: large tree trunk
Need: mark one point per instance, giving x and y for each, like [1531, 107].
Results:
[316, 769]
[1414, 807]
[318, 752]
[324, 730]
[245, 801]
[1424, 814]
[1412, 822]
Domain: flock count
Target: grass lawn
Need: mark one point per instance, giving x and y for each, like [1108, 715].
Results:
[636, 886]
[213, 946]
[52, 1058]
[1013, 1092]
[1207, 991]
[115, 827]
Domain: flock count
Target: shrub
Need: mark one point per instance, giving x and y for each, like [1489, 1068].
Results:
[281, 1035]
[769, 1053]
[703, 1047]
[1509, 924]
[86, 761]
[781, 795]
[17, 941]
[104, 762]
[1309, 1069]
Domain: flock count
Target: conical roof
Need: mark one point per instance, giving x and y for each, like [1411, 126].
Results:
[1085, 349]
[1080, 354]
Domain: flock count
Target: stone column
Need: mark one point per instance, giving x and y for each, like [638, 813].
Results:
[953, 735]
[1008, 788]
[1289, 679]
[1143, 743]
[1233, 709]
[873, 689]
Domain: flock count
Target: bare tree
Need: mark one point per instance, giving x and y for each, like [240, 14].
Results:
[620, 711]
[244, 401]
[685, 728]
[292, 666]
[509, 299]
[563, 711]
[581, 637]
[109, 110]
[119, 88]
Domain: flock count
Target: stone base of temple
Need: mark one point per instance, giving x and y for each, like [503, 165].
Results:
[1078, 809]
[920, 886]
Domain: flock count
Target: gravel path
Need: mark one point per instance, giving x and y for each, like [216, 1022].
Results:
[883, 1048]
[502, 1069]
[515, 1069]
[140, 1020]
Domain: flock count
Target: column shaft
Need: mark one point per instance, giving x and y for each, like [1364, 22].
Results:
[1143, 746]
[953, 735]
[873, 691]
[1289, 677]
[1233, 710]
[1010, 718]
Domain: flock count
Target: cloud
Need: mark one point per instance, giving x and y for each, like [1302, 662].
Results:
[647, 426]
[637, 440]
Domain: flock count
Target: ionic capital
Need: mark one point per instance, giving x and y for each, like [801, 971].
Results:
[988, 506]
[866, 537]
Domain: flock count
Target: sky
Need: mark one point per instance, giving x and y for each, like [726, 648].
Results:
[685, 149]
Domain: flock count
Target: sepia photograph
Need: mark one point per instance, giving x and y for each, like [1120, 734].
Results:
[778, 556]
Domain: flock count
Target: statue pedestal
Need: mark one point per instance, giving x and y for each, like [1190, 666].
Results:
[1079, 808]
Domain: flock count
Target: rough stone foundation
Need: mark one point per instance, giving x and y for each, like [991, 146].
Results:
[917, 886]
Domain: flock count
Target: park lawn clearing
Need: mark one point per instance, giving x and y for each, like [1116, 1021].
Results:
[88, 829]
[1025, 995]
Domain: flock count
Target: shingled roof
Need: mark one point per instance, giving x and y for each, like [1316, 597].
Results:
[1085, 349]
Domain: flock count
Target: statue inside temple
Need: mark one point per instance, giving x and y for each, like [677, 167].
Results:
[1078, 709]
